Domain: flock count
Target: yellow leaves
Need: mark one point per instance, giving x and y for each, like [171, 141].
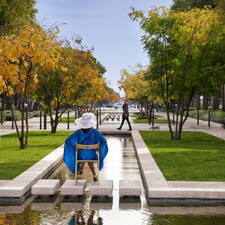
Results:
[21, 53]
[137, 87]
[195, 26]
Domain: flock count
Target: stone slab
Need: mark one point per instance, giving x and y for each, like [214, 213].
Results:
[14, 189]
[196, 184]
[187, 193]
[45, 187]
[3, 182]
[102, 188]
[129, 188]
[151, 173]
[70, 187]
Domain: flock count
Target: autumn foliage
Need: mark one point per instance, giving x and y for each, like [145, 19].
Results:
[36, 66]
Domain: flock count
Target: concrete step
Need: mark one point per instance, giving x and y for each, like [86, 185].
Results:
[129, 188]
[103, 188]
[45, 187]
[70, 187]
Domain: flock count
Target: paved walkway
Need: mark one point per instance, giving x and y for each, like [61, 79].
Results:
[191, 125]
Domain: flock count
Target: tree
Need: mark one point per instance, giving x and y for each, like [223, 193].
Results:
[97, 89]
[112, 96]
[74, 81]
[15, 13]
[181, 48]
[139, 90]
[21, 56]
[186, 5]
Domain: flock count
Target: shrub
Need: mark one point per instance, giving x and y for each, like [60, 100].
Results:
[216, 116]
[9, 115]
[3, 116]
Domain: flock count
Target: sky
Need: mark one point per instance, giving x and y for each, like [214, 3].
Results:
[104, 25]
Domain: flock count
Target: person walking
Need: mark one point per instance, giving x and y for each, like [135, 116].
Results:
[125, 115]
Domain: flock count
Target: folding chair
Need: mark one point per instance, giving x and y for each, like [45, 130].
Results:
[87, 147]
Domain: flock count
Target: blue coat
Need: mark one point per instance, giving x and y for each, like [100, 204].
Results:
[90, 138]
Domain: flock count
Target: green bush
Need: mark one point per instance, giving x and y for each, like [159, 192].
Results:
[34, 114]
[216, 116]
[3, 116]
[9, 115]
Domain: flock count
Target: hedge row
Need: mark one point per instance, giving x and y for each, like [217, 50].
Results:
[7, 115]
[215, 116]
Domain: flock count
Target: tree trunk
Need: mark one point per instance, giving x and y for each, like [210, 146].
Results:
[26, 135]
[216, 103]
[205, 103]
[22, 143]
[54, 121]
[223, 98]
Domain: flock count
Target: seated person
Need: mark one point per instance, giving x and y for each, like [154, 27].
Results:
[86, 135]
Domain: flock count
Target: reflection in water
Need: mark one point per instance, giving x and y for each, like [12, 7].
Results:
[120, 163]
[86, 218]
[186, 220]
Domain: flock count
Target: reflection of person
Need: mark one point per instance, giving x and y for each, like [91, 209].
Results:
[86, 135]
[86, 218]
[125, 115]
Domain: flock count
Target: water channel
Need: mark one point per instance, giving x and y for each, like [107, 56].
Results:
[121, 163]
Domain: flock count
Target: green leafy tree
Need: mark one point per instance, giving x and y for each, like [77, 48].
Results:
[182, 48]
[63, 87]
[13, 13]
[185, 5]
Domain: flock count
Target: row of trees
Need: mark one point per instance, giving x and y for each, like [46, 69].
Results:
[37, 66]
[186, 52]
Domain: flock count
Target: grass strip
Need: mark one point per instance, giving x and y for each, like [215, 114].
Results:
[146, 121]
[65, 119]
[197, 157]
[14, 161]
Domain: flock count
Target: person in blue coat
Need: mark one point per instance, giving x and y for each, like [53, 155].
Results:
[86, 135]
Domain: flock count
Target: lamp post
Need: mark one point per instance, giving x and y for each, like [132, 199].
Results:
[97, 119]
[198, 116]
[68, 119]
[40, 120]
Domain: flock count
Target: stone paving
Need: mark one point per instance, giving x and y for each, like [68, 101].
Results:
[215, 129]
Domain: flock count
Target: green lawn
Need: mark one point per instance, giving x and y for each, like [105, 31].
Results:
[137, 116]
[197, 157]
[146, 121]
[14, 161]
[65, 119]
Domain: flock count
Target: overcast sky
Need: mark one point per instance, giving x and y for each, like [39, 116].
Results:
[103, 24]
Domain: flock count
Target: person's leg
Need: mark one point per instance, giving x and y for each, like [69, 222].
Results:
[128, 123]
[121, 124]
[81, 168]
[92, 168]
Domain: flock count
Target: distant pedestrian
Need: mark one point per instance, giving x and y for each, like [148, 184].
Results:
[125, 115]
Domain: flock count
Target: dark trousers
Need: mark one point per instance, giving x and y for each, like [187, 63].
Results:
[127, 119]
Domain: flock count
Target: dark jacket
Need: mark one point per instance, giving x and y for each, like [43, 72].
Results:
[125, 110]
